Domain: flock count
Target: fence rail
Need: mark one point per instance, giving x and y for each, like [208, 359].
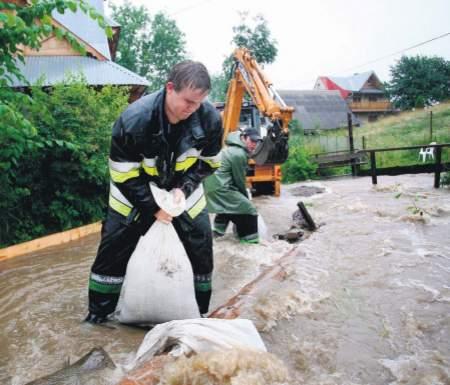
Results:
[437, 167]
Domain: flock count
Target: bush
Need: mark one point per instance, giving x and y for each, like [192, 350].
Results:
[297, 167]
[54, 173]
[445, 179]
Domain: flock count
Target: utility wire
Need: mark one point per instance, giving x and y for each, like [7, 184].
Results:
[389, 55]
[398, 52]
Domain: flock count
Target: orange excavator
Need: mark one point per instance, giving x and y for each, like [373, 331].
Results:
[267, 113]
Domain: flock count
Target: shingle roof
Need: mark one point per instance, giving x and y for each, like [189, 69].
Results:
[85, 28]
[56, 68]
[318, 109]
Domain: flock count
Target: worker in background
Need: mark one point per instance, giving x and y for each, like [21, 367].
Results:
[226, 192]
[171, 138]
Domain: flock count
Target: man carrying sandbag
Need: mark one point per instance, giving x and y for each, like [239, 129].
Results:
[171, 138]
[226, 191]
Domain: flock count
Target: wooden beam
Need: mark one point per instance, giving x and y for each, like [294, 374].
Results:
[49, 240]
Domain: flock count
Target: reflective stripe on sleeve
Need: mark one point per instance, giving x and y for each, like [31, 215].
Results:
[187, 159]
[149, 166]
[119, 206]
[213, 161]
[196, 202]
[118, 202]
[122, 171]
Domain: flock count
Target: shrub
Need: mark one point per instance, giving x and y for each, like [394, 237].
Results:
[297, 167]
[54, 174]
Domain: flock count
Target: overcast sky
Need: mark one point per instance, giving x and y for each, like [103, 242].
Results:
[315, 37]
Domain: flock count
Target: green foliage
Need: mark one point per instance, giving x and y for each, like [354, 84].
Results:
[252, 35]
[134, 24]
[149, 46]
[164, 49]
[295, 128]
[219, 85]
[256, 37]
[54, 171]
[445, 179]
[297, 167]
[418, 81]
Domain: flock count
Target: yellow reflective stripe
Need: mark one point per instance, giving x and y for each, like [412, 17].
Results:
[212, 163]
[119, 206]
[120, 177]
[185, 164]
[197, 207]
[152, 171]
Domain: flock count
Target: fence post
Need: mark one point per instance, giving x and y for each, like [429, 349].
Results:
[364, 142]
[438, 167]
[350, 139]
[431, 126]
[373, 167]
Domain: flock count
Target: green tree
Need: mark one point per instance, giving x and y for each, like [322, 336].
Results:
[134, 25]
[254, 35]
[418, 81]
[164, 49]
[148, 45]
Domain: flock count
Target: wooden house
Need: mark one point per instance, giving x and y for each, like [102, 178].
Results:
[364, 94]
[56, 59]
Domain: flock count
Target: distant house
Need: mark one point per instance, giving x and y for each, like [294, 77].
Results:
[318, 109]
[364, 94]
[56, 58]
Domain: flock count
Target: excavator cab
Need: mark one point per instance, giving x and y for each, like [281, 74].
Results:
[274, 148]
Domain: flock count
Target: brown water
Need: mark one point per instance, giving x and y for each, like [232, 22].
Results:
[367, 300]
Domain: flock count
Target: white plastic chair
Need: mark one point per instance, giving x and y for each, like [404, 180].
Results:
[427, 151]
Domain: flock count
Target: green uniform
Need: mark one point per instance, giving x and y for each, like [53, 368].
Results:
[226, 192]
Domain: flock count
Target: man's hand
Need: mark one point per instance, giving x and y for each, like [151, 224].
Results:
[178, 195]
[163, 217]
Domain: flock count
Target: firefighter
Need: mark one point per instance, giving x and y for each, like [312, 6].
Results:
[226, 191]
[171, 138]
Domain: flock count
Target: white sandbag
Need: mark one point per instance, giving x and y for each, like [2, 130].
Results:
[159, 282]
[200, 335]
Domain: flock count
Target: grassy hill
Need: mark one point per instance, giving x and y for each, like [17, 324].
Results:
[409, 128]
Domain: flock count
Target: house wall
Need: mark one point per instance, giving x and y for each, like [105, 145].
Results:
[52, 46]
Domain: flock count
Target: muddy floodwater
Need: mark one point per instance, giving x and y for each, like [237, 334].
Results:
[366, 299]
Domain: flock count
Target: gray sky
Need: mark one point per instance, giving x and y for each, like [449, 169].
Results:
[315, 37]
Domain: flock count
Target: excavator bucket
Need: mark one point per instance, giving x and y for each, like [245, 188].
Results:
[273, 149]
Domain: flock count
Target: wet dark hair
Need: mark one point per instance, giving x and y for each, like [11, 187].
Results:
[190, 74]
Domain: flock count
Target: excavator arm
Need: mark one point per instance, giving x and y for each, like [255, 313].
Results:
[248, 77]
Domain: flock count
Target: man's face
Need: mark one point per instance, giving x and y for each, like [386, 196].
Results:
[181, 104]
[250, 144]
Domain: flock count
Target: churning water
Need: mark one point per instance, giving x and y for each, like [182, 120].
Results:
[366, 300]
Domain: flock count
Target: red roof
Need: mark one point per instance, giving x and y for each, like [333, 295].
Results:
[330, 85]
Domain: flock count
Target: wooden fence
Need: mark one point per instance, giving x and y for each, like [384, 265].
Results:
[437, 167]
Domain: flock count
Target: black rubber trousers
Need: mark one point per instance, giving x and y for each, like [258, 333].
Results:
[118, 241]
